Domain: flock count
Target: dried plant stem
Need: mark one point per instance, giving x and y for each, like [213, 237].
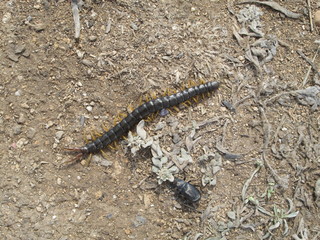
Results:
[267, 130]
[310, 16]
[310, 67]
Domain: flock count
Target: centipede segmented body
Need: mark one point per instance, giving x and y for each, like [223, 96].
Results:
[140, 113]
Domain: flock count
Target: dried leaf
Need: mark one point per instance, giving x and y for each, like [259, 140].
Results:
[274, 226]
[140, 131]
[276, 7]
[291, 215]
[157, 162]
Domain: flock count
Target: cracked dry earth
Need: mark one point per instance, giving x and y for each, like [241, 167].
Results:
[55, 90]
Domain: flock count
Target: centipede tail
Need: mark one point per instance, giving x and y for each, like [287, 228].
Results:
[140, 113]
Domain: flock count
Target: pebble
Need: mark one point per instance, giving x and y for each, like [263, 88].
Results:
[25, 105]
[139, 221]
[38, 27]
[18, 93]
[16, 129]
[21, 119]
[30, 133]
[101, 161]
[6, 17]
[99, 195]
[80, 55]
[105, 163]
[59, 135]
[317, 18]
[87, 63]
[134, 26]
[92, 38]
[21, 142]
[13, 57]
[49, 124]
[317, 189]
[89, 108]
[59, 181]
[19, 49]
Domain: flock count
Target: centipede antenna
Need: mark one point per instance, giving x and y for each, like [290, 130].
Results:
[73, 160]
[73, 149]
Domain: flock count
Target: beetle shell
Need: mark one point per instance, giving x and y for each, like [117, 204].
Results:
[187, 190]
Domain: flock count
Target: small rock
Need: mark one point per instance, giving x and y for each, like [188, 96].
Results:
[317, 189]
[30, 133]
[49, 124]
[147, 200]
[39, 209]
[21, 119]
[26, 53]
[92, 38]
[19, 49]
[139, 221]
[59, 135]
[317, 18]
[6, 17]
[80, 54]
[89, 108]
[99, 195]
[21, 142]
[25, 105]
[16, 129]
[87, 63]
[38, 27]
[134, 26]
[13, 57]
[18, 93]
[105, 163]
[59, 181]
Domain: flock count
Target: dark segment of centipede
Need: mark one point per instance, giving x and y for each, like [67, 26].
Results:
[140, 113]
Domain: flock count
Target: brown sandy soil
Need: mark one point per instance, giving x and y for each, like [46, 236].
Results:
[55, 90]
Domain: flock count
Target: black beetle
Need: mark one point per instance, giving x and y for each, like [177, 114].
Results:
[187, 190]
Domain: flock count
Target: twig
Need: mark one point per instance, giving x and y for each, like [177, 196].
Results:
[314, 67]
[270, 100]
[267, 130]
[276, 7]
[76, 18]
[310, 16]
[309, 69]
[283, 119]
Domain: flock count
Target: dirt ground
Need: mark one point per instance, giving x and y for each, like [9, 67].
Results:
[54, 90]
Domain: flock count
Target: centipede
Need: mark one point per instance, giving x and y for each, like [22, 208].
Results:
[139, 113]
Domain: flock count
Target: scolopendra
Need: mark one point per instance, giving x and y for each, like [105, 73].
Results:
[140, 113]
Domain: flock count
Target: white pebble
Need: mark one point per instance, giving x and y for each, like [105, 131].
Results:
[18, 93]
[89, 108]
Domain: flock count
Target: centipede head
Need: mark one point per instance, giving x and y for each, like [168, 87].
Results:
[81, 152]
